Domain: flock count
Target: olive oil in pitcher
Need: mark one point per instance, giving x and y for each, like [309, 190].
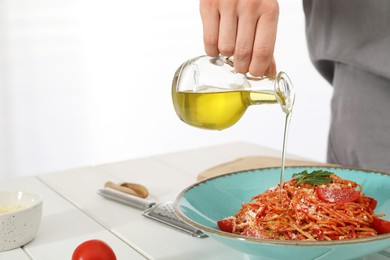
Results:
[208, 93]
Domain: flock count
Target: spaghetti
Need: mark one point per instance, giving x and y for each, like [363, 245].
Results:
[304, 211]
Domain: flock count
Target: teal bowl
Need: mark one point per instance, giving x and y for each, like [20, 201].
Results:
[204, 203]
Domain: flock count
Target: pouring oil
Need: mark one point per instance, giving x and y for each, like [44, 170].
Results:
[217, 109]
[284, 147]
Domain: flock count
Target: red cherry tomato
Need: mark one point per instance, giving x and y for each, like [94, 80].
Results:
[226, 225]
[373, 203]
[93, 250]
[337, 195]
[381, 226]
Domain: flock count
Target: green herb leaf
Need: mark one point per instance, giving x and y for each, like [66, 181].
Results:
[316, 177]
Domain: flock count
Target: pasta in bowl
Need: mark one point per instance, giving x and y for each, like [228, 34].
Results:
[248, 211]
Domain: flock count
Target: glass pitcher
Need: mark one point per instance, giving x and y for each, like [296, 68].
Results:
[208, 93]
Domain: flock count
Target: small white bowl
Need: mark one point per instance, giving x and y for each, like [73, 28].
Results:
[20, 217]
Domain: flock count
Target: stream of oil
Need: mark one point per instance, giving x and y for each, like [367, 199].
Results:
[285, 135]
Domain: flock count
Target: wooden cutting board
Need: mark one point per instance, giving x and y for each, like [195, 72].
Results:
[253, 162]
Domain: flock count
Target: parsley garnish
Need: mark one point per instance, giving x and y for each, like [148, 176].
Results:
[316, 177]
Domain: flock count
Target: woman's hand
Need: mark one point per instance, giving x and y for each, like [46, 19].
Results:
[245, 29]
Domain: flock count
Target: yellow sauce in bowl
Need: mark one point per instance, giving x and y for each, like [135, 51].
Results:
[7, 209]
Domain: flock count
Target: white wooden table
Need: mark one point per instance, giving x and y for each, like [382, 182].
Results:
[74, 212]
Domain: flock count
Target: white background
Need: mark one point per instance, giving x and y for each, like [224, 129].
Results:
[89, 82]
